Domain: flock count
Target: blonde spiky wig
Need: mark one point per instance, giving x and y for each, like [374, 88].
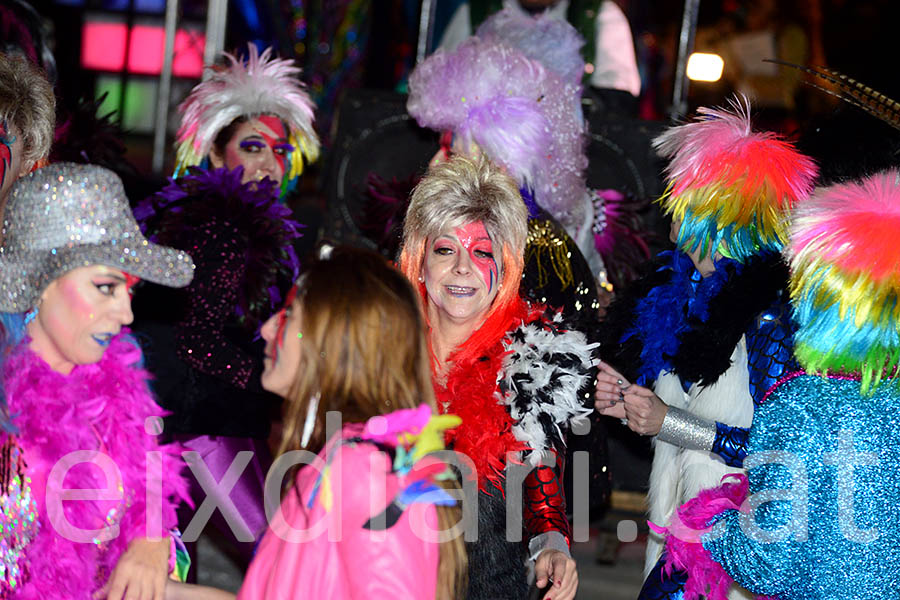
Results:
[261, 86]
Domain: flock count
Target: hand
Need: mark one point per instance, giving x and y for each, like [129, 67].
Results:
[609, 396]
[644, 410]
[553, 565]
[141, 572]
[616, 397]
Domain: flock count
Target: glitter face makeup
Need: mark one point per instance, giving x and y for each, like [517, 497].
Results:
[79, 315]
[259, 145]
[461, 272]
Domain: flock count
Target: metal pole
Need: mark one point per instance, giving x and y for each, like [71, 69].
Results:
[685, 47]
[165, 88]
[426, 29]
[216, 19]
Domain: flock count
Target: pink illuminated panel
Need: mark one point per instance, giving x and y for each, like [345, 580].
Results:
[103, 46]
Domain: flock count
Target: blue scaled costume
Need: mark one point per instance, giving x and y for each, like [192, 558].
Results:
[688, 336]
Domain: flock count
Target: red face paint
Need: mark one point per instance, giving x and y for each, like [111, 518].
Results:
[130, 282]
[282, 320]
[278, 143]
[475, 239]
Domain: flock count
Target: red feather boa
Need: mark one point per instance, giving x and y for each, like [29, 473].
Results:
[470, 392]
[97, 407]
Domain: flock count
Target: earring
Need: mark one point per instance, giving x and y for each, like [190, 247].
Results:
[421, 279]
[32, 313]
[309, 423]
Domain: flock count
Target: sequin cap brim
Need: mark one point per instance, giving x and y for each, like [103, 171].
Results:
[67, 216]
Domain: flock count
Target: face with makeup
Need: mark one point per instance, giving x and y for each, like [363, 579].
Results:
[11, 167]
[79, 315]
[282, 335]
[462, 272]
[260, 145]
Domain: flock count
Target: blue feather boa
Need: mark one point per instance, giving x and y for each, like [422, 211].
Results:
[671, 309]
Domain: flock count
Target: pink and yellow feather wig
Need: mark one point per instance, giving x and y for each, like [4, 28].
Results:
[845, 278]
[260, 86]
[730, 186]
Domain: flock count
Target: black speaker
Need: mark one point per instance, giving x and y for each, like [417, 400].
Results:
[375, 135]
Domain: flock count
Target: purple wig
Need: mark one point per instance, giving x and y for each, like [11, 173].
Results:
[552, 42]
[518, 112]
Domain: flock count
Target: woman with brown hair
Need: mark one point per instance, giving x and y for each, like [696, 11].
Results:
[367, 516]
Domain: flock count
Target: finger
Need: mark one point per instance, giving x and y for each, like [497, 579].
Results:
[566, 583]
[541, 572]
[617, 411]
[607, 368]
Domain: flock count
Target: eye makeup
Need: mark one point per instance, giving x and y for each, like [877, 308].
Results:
[475, 240]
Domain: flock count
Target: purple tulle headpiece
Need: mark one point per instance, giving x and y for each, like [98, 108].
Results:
[518, 112]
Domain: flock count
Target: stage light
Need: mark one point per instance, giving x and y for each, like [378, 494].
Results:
[705, 67]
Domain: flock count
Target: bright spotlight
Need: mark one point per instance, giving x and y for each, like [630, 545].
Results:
[705, 67]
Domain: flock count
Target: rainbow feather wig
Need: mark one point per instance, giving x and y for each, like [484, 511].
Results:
[845, 278]
[261, 85]
[730, 186]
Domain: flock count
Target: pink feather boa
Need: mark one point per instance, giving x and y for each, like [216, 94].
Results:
[706, 578]
[98, 407]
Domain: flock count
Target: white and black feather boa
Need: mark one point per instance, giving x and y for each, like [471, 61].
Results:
[545, 370]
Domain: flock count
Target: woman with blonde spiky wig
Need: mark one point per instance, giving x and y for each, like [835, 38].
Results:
[513, 371]
[836, 533]
[245, 134]
[709, 328]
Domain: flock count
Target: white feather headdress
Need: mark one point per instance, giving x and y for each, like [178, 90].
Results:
[263, 85]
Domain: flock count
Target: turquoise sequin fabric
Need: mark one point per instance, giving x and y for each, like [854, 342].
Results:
[824, 473]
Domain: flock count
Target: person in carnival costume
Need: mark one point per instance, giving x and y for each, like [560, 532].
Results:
[489, 98]
[245, 133]
[709, 328]
[354, 520]
[513, 371]
[77, 415]
[817, 514]
[27, 117]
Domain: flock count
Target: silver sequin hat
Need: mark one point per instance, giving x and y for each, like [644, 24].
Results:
[67, 216]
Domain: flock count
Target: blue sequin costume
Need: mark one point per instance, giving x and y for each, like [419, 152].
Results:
[769, 354]
[852, 544]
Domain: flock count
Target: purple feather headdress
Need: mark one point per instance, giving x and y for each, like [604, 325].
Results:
[518, 112]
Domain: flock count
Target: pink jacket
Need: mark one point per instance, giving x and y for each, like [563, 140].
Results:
[335, 556]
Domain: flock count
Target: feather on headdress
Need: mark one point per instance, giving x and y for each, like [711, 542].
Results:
[845, 278]
[518, 112]
[263, 85]
[851, 91]
[727, 183]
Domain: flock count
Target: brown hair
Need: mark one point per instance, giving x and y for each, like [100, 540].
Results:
[363, 352]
